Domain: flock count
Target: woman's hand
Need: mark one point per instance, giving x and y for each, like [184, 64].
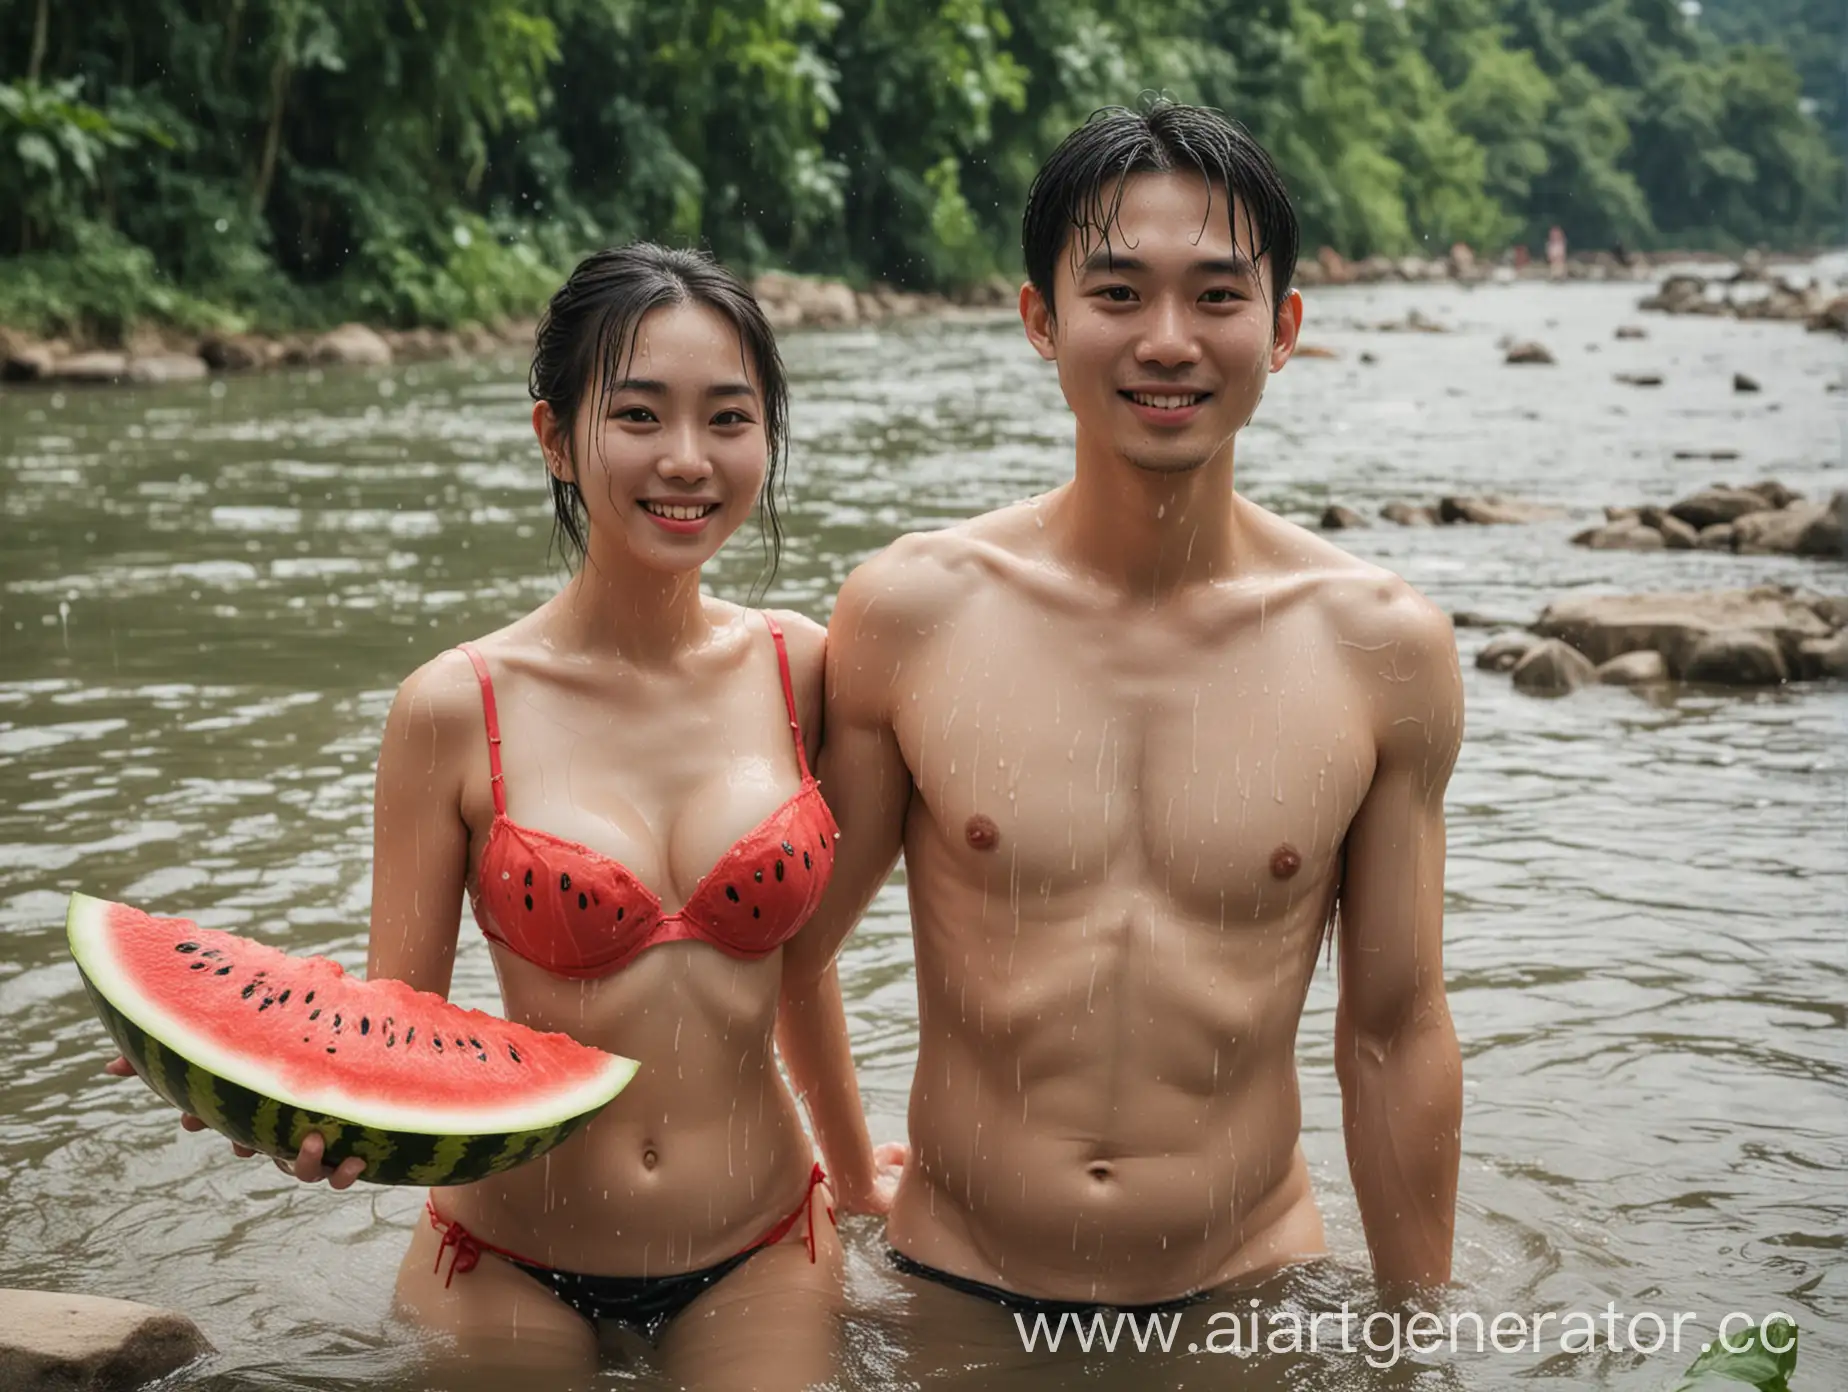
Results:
[307, 1166]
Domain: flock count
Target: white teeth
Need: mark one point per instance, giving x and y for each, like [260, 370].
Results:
[1164, 403]
[675, 513]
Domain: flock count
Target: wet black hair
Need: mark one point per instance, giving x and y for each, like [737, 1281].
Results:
[587, 336]
[1079, 189]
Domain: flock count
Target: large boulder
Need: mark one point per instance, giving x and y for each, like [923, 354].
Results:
[1718, 537]
[1678, 535]
[1504, 653]
[1775, 494]
[1777, 532]
[1712, 505]
[1675, 624]
[239, 352]
[84, 1343]
[1493, 510]
[351, 345]
[166, 367]
[1553, 669]
[1737, 657]
[23, 359]
[1628, 534]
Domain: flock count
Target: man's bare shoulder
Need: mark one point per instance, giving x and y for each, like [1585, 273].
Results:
[924, 578]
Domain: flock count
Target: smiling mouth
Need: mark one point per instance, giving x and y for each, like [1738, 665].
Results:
[677, 512]
[1166, 401]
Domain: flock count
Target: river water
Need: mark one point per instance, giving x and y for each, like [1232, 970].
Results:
[208, 594]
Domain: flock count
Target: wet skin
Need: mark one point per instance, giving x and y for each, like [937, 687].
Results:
[1135, 738]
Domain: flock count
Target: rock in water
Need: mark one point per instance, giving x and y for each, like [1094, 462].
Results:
[1711, 505]
[1743, 383]
[83, 1343]
[1678, 535]
[1504, 654]
[1410, 514]
[1775, 494]
[1823, 536]
[1718, 537]
[1605, 626]
[1627, 535]
[1494, 510]
[1553, 668]
[1634, 669]
[1736, 657]
[1528, 355]
[1336, 518]
[1821, 659]
[1777, 533]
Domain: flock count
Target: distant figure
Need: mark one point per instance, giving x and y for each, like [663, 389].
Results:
[1522, 258]
[1556, 252]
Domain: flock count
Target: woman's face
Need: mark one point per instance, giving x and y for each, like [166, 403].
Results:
[670, 460]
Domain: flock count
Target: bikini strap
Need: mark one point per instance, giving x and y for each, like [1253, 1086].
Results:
[496, 782]
[789, 694]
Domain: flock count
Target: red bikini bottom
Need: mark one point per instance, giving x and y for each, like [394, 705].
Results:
[647, 1302]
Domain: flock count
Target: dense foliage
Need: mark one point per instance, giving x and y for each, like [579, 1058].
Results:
[438, 161]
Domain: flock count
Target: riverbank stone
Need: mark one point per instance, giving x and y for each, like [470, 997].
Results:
[85, 1343]
[1410, 514]
[1336, 518]
[351, 345]
[91, 369]
[1625, 534]
[1493, 510]
[1633, 669]
[1528, 355]
[1711, 505]
[1776, 532]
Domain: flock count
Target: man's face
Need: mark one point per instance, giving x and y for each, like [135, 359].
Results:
[1163, 337]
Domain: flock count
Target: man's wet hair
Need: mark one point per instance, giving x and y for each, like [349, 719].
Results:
[1078, 191]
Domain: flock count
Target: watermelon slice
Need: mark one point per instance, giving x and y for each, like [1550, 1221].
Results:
[265, 1048]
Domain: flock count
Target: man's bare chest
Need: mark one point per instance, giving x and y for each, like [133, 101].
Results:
[1054, 757]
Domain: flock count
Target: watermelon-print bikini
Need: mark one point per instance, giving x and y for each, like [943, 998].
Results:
[577, 913]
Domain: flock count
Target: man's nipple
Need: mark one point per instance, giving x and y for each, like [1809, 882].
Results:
[981, 832]
[1285, 861]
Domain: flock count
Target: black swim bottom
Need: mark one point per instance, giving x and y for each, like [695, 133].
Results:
[645, 1303]
[1015, 1302]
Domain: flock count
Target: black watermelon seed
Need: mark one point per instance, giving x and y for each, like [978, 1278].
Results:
[756, 912]
[564, 882]
[268, 1001]
[331, 1049]
[779, 870]
[513, 1053]
[222, 971]
[476, 1042]
[187, 947]
[583, 901]
[529, 901]
[283, 999]
[308, 999]
[365, 1024]
[731, 894]
[460, 1042]
[390, 1040]
[304, 1039]
[758, 875]
[200, 966]
[619, 914]
[529, 879]
[788, 849]
[807, 864]
[249, 991]
[409, 1035]
[336, 1019]
[438, 1043]
[314, 1014]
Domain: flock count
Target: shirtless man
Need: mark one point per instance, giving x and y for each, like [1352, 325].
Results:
[1138, 739]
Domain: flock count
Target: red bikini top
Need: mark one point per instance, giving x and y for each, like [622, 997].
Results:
[576, 913]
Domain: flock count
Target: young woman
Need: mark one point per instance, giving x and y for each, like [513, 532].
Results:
[620, 782]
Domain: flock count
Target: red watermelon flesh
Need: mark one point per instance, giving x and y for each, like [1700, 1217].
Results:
[225, 1026]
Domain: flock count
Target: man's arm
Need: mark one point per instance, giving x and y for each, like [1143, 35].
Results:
[868, 787]
[1395, 1047]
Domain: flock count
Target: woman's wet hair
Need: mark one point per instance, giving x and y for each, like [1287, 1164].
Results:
[1078, 191]
[587, 337]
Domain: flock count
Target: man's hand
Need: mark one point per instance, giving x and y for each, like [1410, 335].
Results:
[889, 1161]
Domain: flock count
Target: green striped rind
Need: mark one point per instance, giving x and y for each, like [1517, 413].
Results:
[275, 1128]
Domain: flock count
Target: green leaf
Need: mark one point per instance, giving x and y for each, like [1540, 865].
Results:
[1761, 1358]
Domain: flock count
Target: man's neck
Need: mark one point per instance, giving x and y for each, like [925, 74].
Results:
[1148, 533]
